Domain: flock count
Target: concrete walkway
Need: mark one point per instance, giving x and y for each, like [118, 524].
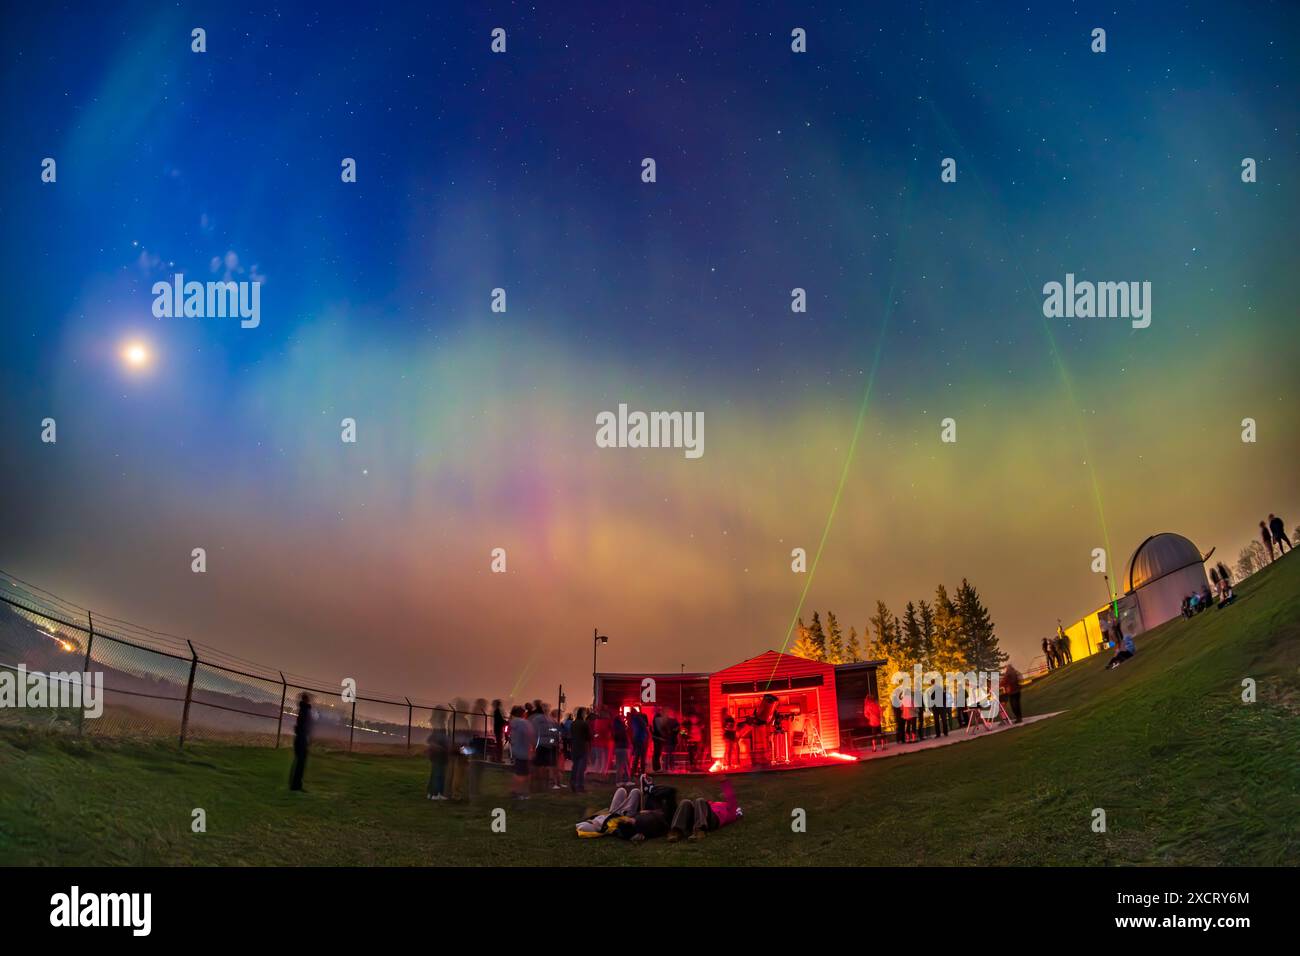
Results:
[955, 736]
[893, 750]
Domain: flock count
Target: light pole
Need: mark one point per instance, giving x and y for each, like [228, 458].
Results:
[598, 639]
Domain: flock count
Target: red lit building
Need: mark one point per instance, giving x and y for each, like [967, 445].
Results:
[787, 711]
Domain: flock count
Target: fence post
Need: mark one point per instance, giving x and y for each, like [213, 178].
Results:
[85, 668]
[408, 725]
[189, 692]
[352, 729]
[279, 724]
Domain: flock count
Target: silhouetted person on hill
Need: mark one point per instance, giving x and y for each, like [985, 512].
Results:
[301, 741]
[1063, 643]
[1278, 529]
[1266, 538]
[1225, 581]
[1047, 655]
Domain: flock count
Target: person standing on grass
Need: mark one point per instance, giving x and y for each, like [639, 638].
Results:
[521, 750]
[1277, 527]
[1011, 690]
[908, 711]
[640, 732]
[580, 748]
[601, 757]
[940, 711]
[537, 720]
[694, 741]
[438, 749]
[301, 741]
[871, 712]
[1226, 580]
[658, 736]
[1267, 539]
[476, 749]
[499, 729]
[900, 728]
[546, 754]
[618, 730]
[1047, 656]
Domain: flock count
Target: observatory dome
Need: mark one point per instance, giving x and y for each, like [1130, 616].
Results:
[1158, 556]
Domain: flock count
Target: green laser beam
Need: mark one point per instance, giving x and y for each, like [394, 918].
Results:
[853, 443]
[1058, 362]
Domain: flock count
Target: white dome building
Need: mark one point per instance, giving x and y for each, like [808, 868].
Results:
[1164, 569]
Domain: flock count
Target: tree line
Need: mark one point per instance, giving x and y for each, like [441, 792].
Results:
[954, 634]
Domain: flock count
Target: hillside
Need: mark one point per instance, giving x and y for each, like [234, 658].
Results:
[1186, 772]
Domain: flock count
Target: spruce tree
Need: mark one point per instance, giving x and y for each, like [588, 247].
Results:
[818, 636]
[852, 649]
[834, 640]
[927, 635]
[887, 646]
[883, 624]
[979, 636]
[948, 648]
[803, 645]
[913, 643]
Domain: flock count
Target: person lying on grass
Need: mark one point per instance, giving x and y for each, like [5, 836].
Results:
[695, 818]
[642, 810]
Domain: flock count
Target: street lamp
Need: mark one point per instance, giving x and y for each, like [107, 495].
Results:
[599, 639]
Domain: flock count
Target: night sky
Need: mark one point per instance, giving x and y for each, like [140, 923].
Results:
[522, 170]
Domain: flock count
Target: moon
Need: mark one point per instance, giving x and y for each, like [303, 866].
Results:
[136, 355]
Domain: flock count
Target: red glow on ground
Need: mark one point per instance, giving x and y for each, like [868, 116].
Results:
[839, 756]
[717, 765]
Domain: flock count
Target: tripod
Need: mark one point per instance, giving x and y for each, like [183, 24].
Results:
[978, 718]
[812, 740]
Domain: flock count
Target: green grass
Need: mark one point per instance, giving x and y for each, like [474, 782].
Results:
[1186, 772]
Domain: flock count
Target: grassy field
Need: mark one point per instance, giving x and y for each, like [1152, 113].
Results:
[1186, 772]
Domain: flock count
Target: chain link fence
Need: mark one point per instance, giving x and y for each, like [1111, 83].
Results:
[157, 685]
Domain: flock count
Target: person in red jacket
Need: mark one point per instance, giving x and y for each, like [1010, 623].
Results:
[871, 711]
[695, 818]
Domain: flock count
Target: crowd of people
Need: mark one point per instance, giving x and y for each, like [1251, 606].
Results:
[1223, 595]
[605, 743]
[912, 721]
[455, 752]
[1057, 649]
